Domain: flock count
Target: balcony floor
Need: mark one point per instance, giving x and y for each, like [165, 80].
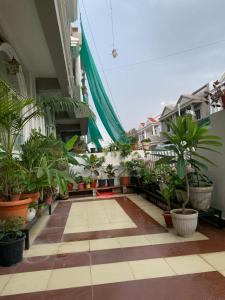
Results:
[116, 249]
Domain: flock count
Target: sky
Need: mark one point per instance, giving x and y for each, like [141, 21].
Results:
[145, 31]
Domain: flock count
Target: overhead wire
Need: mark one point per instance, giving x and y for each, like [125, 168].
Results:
[165, 56]
[112, 23]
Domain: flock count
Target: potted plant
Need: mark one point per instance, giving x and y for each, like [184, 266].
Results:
[92, 163]
[11, 241]
[17, 178]
[110, 171]
[87, 181]
[186, 138]
[135, 167]
[146, 144]
[80, 183]
[201, 188]
[167, 192]
[15, 113]
[125, 149]
[134, 142]
[124, 174]
[102, 180]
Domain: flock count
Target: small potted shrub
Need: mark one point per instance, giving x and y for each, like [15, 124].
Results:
[124, 174]
[185, 138]
[93, 163]
[30, 188]
[80, 183]
[167, 192]
[125, 149]
[135, 168]
[146, 144]
[134, 142]
[87, 181]
[110, 171]
[11, 241]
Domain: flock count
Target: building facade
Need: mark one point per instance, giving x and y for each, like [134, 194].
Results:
[37, 34]
[150, 130]
[194, 104]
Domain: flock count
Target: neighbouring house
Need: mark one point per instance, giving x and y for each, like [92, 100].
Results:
[37, 36]
[150, 130]
[194, 104]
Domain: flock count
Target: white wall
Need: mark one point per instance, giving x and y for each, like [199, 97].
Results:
[218, 173]
[113, 158]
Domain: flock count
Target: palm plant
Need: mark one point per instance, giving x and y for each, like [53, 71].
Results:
[51, 105]
[187, 139]
[15, 113]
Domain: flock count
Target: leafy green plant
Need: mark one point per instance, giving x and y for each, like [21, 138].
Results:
[186, 138]
[49, 176]
[87, 180]
[110, 171]
[92, 163]
[125, 149]
[146, 140]
[11, 229]
[135, 166]
[79, 179]
[167, 191]
[15, 113]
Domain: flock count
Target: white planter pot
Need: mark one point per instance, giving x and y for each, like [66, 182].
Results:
[31, 214]
[200, 197]
[185, 224]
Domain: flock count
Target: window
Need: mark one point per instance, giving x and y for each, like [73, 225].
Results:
[198, 114]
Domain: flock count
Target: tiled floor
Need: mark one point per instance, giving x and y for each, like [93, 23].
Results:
[116, 249]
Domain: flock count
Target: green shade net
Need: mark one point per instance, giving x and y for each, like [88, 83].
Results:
[100, 98]
[94, 134]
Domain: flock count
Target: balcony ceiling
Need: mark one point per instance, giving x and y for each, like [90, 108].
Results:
[20, 26]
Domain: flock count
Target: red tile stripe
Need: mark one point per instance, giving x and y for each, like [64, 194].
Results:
[202, 286]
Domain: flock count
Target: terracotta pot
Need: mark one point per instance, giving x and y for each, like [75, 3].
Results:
[33, 196]
[94, 184]
[70, 186]
[124, 180]
[15, 197]
[80, 186]
[10, 209]
[168, 219]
